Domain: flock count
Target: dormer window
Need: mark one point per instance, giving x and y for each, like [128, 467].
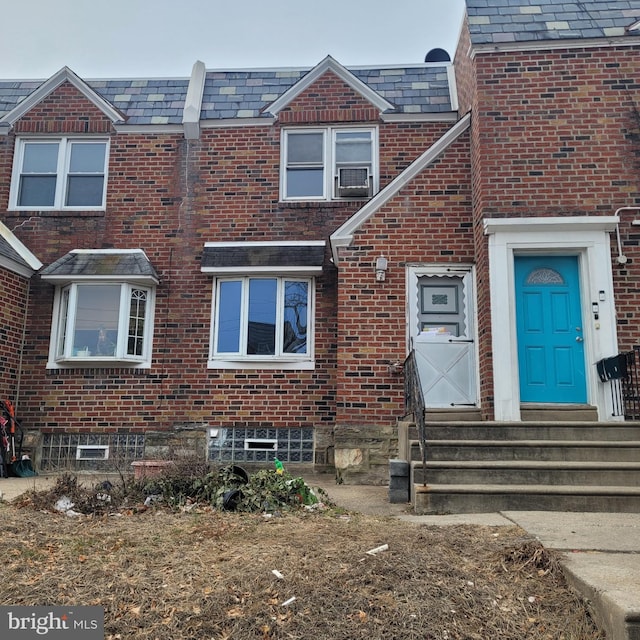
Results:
[62, 173]
[328, 164]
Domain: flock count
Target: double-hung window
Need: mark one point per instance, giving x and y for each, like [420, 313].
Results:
[262, 318]
[329, 163]
[61, 173]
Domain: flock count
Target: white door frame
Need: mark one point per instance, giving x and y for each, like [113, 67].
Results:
[587, 237]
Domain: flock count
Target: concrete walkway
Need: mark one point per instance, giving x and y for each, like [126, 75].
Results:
[600, 551]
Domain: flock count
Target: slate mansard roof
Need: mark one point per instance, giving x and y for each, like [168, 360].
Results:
[130, 264]
[247, 93]
[516, 21]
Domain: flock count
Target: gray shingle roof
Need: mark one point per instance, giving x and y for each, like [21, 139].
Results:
[142, 100]
[246, 93]
[99, 264]
[145, 101]
[512, 21]
[249, 255]
[9, 252]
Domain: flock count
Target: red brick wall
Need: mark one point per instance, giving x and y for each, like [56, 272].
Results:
[15, 292]
[328, 100]
[554, 134]
[64, 111]
[554, 131]
[169, 196]
[427, 222]
[464, 71]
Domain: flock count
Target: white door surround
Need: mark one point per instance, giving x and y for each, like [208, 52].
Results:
[588, 238]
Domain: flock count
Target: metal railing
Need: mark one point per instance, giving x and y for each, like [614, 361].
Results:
[622, 374]
[630, 384]
[414, 403]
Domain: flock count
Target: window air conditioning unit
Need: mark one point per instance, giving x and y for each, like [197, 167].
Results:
[353, 182]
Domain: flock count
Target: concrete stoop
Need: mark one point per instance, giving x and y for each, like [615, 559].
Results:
[479, 467]
[487, 498]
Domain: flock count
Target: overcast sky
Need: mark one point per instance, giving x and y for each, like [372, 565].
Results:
[163, 38]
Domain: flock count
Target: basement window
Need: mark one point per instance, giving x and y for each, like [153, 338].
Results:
[92, 452]
[252, 444]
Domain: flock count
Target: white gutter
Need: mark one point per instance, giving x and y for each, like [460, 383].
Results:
[622, 259]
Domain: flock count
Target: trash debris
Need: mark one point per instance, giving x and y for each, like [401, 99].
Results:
[380, 549]
[231, 499]
[279, 467]
[64, 504]
[286, 603]
[277, 574]
[152, 499]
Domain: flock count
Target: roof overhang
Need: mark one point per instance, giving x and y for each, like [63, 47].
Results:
[329, 64]
[15, 256]
[108, 265]
[343, 236]
[47, 87]
[553, 223]
[251, 258]
[551, 45]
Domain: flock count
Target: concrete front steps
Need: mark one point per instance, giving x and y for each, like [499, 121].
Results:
[476, 467]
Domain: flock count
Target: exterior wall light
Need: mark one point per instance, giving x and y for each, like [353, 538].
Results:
[381, 268]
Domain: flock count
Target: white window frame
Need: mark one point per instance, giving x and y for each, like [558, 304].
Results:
[279, 361]
[64, 354]
[329, 165]
[65, 145]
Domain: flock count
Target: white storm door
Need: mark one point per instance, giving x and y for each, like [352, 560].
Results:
[444, 346]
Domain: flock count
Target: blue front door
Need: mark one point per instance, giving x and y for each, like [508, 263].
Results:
[549, 328]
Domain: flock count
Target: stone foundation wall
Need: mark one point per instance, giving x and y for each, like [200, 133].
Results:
[362, 453]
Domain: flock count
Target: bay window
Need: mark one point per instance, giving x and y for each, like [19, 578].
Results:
[103, 321]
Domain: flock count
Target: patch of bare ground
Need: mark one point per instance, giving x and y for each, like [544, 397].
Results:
[206, 574]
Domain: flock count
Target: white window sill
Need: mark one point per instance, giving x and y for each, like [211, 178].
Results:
[97, 362]
[271, 365]
[85, 208]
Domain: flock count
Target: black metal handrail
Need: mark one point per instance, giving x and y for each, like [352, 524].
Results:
[622, 374]
[630, 384]
[414, 403]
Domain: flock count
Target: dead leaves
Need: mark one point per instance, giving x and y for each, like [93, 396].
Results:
[205, 576]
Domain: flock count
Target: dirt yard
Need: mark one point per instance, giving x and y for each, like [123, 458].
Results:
[200, 573]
